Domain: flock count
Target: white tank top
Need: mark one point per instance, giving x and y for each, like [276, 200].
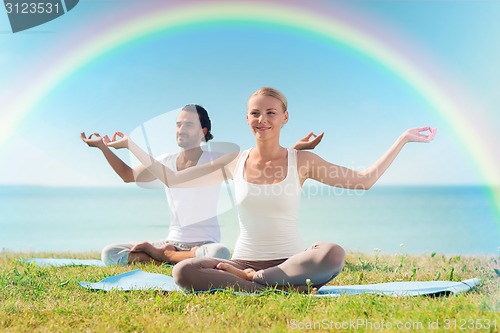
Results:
[268, 214]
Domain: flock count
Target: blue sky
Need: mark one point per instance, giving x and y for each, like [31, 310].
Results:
[361, 106]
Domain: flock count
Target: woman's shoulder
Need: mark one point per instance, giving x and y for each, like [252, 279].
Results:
[309, 159]
[306, 155]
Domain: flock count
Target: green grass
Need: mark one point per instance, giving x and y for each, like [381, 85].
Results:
[44, 299]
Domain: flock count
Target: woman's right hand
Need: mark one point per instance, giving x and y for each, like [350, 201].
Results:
[246, 274]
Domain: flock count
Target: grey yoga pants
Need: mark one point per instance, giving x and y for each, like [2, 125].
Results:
[319, 263]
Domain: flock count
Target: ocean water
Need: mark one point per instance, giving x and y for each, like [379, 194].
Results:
[388, 219]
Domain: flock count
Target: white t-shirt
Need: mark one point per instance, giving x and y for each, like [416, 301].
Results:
[193, 210]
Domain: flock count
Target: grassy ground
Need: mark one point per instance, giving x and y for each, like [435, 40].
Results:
[41, 299]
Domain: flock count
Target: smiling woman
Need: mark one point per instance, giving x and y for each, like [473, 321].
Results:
[269, 249]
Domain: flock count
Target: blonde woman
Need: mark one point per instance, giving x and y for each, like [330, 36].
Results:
[268, 180]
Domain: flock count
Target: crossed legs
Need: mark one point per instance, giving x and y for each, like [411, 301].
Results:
[319, 263]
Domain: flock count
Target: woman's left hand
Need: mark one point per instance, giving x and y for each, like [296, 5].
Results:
[119, 141]
[420, 134]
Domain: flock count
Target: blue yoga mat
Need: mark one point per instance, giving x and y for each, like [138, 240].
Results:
[59, 262]
[139, 280]
[134, 280]
[412, 288]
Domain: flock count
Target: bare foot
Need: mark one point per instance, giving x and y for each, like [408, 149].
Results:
[140, 247]
[246, 274]
[157, 253]
[193, 250]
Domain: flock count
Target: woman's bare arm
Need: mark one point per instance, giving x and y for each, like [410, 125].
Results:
[216, 171]
[314, 167]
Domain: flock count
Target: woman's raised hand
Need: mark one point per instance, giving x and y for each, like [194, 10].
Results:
[119, 141]
[420, 134]
[307, 143]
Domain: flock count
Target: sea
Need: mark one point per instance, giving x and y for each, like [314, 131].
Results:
[451, 220]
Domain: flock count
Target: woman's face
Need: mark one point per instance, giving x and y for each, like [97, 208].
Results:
[265, 116]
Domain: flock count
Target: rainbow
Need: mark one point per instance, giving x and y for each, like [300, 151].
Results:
[171, 17]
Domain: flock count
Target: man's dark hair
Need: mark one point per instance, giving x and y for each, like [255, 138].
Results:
[204, 118]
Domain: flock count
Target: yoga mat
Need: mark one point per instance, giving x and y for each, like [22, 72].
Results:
[60, 262]
[412, 288]
[134, 280]
[139, 280]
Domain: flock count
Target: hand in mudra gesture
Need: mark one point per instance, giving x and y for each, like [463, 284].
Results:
[420, 134]
[94, 139]
[310, 141]
[118, 141]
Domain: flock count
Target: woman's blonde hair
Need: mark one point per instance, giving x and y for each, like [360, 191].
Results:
[266, 91]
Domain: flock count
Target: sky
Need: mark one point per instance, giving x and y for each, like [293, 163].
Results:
[361, 104]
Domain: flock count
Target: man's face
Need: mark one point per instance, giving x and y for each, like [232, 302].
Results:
[189, 133]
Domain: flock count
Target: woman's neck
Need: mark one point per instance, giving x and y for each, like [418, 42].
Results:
[267, 150]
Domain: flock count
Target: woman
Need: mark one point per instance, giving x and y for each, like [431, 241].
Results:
[268, 181]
